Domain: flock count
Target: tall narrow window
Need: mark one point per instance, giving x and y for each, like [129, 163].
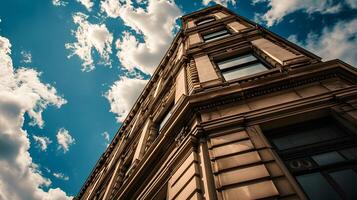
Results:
[320, 156]
[205, 21]
[240, 66]
[166, 116]
[216, 35]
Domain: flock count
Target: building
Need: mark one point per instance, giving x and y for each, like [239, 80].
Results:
[234, 111]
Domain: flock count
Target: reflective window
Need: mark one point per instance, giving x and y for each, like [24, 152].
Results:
[350, 153]
[166, 116]
[328, 158]
[301, 136]
[216, 35]
[331, 174]
[316, 187]
[347, 181]
[236, 61]
[240, 66]
[205, 21]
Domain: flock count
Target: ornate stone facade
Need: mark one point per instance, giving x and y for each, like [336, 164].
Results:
[234, 111]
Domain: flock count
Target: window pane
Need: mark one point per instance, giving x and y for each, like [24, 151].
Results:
[236, 61]
[215, 34]
[316, 187]
[243, 71]
[164, 120]
[347, 180]
[350, 154]
[306, 136]
[328, 158]
[218, 37]
[205, 21]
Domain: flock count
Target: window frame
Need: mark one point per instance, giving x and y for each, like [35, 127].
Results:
[205, 20]
[242, 65]
[165, 117]
[216, 37]
[305, 153]
[282, 131]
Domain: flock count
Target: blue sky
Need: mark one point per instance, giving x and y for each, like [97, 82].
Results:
[70, 71]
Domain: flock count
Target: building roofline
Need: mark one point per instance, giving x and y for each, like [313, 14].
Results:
[204, 10]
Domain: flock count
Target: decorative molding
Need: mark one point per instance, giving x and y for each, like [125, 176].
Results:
[266, 89]
[181, 136]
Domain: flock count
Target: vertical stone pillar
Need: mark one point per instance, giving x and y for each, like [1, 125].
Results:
[181, 85]
[194, 39]
[209, 191]
[220, 15]
[158, 87]
[207, 75]
[142, 141]
[236, 26]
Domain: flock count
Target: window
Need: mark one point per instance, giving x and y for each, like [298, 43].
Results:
[337, 184]
[205, 21]
[240, 66]
[166, 116]
[321, 155]
[307, 134]
[317, 187]
[216, 35]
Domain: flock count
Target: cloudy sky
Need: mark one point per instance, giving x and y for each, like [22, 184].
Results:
[71, 69]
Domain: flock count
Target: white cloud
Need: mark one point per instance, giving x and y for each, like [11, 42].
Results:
[87, 3]
[90, 37]
[279, 9]
[21, 92]
[155, 23]
[26, 57]
[339, 41]
[64, 139]
[111, 7]
[123, 94]
[222, 2]
[105, 134]
[42, 142]
[59, 3]
[61, 176]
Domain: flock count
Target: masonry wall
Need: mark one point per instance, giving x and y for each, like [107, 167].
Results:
[213, 144]
[242, 163]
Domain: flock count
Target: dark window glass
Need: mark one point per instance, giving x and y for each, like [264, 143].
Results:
[166, 117]
[329, 175]
[328, 158]
[205, 21]
[350, 154]
[307, 135]
[316, 187]
[347, 180]
[240, 66]
[216, 35]
[243, 71]
[236, 61]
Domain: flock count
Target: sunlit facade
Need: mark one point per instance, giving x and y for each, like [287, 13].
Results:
[235, 111]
